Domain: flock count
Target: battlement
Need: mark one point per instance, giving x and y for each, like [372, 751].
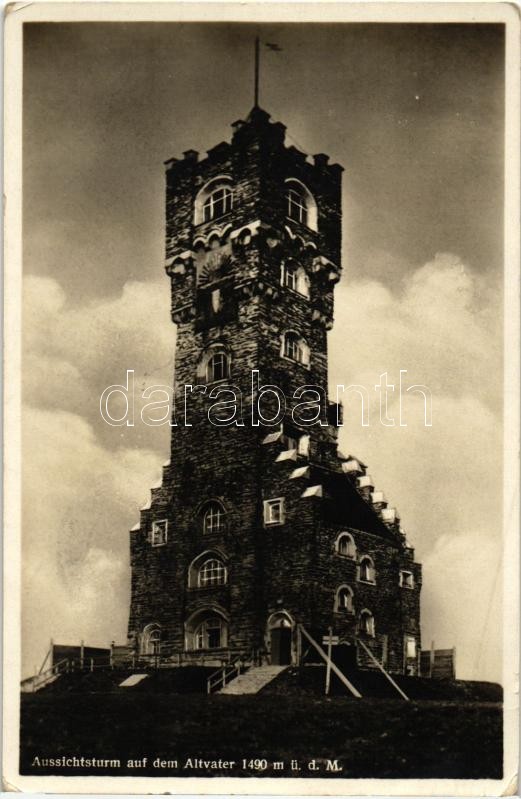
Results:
[255, 172]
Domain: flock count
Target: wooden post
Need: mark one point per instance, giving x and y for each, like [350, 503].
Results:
[328, 665]
[431, 659]
[92, 664]
[384, 650]
[384, 672]
[82, 652]
[334, 668]
[51, 649]
[299, 646]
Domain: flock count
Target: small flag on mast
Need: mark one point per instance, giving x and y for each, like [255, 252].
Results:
[274, 48]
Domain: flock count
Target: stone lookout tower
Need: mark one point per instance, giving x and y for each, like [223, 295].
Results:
[261, 526]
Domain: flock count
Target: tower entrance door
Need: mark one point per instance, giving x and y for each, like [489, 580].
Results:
[281, 646]
[280, 638]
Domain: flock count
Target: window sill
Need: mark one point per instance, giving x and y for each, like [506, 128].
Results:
[302, 225]
[345, 557]
[366, 582]
[215, 219]
[206, 587]
[216, 382]
[273, 524]
[298, 363]
[296, 293]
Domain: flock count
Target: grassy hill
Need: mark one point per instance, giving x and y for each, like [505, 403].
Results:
[458, 737]
[310, 680]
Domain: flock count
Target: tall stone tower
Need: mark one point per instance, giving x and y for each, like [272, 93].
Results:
[260, 523]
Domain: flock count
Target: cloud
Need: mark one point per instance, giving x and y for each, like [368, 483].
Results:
[442, 324]
[80, 500]
[446, 480]
[73, 353]
[85, 481]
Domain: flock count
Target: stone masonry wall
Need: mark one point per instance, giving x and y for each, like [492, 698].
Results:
[292, 567]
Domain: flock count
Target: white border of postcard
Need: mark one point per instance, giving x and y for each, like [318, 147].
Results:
[18, 13]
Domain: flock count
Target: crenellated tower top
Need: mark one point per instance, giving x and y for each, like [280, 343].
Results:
[254, 191]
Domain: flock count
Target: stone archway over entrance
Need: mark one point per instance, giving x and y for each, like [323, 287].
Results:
[280, 630]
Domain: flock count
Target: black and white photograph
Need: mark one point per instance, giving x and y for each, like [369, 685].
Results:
[261, 390]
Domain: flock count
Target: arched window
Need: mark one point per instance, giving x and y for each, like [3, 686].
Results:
[214, 517]
[209, 634]
[301, 205]
[367, 571]
[295, 348]
[345, 545]
[294, 277]
[217, 367]
[214, 200]
[207, 628]
[212, 572]
[207, 569]
[297, 204]
[218, 203]
[344, 600]
[214, 364]
[151, 639]
[366, 624]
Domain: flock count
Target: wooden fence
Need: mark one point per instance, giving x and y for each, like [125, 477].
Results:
[440, 664]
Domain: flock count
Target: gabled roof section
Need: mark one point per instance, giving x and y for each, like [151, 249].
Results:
[343, 505]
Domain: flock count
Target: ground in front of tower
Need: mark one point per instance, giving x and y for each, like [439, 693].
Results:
[158, 735]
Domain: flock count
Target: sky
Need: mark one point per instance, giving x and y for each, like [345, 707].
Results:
[414, 113]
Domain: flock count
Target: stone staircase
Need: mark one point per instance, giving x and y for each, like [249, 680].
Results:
[251, 681]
